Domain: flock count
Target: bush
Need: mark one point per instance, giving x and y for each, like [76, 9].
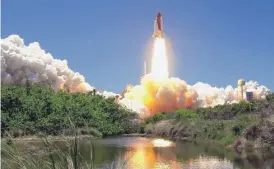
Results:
[156, 118]
[185, 114]
[223, 123]
[224, 112]
[241, 122]
[149, 129]
[89, 131]
[228, 140]
[142, 127]
[15, 132]
[270, 97]
[35, 108]
[249, 146]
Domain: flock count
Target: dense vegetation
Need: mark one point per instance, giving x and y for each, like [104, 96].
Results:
[32, 109]
[223, 123]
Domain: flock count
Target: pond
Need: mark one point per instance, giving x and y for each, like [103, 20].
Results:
[151, 153]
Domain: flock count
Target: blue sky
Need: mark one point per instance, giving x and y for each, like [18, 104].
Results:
[215, 42]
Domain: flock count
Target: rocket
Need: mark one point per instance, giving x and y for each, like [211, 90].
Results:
[158, 26]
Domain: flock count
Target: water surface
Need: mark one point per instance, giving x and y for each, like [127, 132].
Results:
[156, 153]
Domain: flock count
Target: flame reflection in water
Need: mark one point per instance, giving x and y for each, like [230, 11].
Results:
[162, 143]
[159, 154]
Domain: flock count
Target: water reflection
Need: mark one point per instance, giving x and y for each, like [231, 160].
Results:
[145, 153]
[162, 143]
[152, 153]
[148, 155]
[140, 157]
[150, 159]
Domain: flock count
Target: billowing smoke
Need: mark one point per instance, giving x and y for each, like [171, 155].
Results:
[167, 94]
[212, 96]
[163, 94]
[160, 93]
[21, 63]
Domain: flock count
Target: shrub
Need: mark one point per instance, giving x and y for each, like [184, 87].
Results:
[156, 118]
[35, 108]
[142, 127]
[227, 140]
[185, 114]
[249, 146]
[94, 132]
[270, 97]
[15, 132]
[149, 129]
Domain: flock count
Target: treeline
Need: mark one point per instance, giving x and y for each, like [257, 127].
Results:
[223, 123]
[220, 112]
[32, 109]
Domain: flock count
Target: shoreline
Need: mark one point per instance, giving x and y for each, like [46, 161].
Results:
[49, 137]
[176, 130]
[62, 137]
[35, 138]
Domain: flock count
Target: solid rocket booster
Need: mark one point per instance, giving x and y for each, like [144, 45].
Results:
[158, 26]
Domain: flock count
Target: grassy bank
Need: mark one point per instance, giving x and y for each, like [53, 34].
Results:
[241, 125]
[52, 153]
[33, 109]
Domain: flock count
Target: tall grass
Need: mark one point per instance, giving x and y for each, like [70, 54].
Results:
[53, 157]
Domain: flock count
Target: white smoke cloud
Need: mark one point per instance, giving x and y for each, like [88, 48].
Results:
[107, 94]
[135, 106]
[259, 91]
[168, 94]
[212, 96]
[20, 62]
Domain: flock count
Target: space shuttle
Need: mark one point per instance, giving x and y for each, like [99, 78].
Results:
[158, 27]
